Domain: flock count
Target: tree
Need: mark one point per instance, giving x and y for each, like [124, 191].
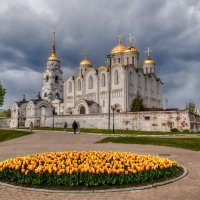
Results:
[5, 113]
[191, 107]
[2, 94]
[137, 104]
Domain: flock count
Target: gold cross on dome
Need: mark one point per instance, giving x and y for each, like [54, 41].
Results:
[85, 53]
[120, 37]
[148, 51]
[130, 38]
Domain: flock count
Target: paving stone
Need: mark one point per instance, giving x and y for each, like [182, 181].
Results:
[43, 141]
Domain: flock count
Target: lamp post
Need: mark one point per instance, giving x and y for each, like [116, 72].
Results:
[113, 109]
[109, 88]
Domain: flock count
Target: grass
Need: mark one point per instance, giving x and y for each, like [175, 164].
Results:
[185, 143]
[118, 131]
[11, 134]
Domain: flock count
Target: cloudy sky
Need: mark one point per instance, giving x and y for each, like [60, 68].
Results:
[171, 28]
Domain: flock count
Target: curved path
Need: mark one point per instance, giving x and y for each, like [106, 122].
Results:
[43, 141]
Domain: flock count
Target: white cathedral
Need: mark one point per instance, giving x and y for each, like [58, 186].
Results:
[92, 90]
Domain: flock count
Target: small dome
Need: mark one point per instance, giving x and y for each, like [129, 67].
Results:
[131, 49]
[120, 48]
[53, 57]
[85, 61]
[149, 61]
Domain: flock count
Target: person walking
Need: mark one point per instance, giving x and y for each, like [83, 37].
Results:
[78, 127]
[31, 126]
[75, 126]
[65, 127]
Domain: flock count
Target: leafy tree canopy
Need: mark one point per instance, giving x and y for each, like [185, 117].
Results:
[2, 94]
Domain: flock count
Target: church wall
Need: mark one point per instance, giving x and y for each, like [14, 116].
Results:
[118, 90]
[146, 121]
[103, 90]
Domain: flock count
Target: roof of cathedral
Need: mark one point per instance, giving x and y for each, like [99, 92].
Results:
[120, 48]
[85, 61]
[131, 48]
[149, 61]
[53, 56]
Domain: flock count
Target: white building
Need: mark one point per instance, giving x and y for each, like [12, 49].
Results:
[87, 91]
[92, 90]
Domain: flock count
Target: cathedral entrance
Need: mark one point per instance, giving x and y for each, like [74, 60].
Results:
[82, 110]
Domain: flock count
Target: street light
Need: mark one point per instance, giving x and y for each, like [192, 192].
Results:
[109, 88]
[113, 109]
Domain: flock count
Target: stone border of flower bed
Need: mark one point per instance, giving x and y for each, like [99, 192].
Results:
[185, 172]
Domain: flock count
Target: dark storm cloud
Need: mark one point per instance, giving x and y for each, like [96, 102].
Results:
[170, 28]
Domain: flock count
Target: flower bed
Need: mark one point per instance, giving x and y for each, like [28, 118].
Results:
[86, 168]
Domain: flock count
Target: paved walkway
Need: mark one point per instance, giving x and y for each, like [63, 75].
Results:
[43, 141]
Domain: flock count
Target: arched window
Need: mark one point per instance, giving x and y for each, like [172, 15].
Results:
[131, 78]
[82, 110]
[158, 87]
[103, 80]
[116, 77]
[118, 60]
[139, 81]
[56, 79]
[57, 95]
[45, 94]
[70, 86]
[127, 60]
[47, 78]
[79, 85]
[152, 85]
[145, 83]
[133, 61]
[90, 83]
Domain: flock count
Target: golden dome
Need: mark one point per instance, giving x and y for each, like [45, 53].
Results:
[131, 49]
[149, 61]
[120, 48]
[53, 57]
[85, 61]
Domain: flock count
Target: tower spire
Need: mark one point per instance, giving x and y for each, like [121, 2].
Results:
[53, 56]
[53, 50]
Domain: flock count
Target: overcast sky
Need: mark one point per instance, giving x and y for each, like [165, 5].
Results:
[171, 28]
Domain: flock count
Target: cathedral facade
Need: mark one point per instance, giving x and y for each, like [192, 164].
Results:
[92, 90]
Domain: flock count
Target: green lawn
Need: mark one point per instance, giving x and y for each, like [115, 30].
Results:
[185, 143]
[106, 131]
[11, 134]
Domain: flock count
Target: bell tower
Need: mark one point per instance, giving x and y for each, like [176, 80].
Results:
[52, 79]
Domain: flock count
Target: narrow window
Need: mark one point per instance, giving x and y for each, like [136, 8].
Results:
[70, 86]
[79, 85]
[47, 78]
[103, 80]
[127, 60]
[131, 78]
[56, 79]
[116, 77]
[90, 85]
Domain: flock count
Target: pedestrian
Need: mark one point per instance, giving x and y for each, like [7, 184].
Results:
[65, 127]
[74, 126]
[78, 127]
[31, 126]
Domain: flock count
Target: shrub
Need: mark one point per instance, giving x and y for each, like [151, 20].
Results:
[174, 130]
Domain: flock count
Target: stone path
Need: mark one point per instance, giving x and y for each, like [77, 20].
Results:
[43, 141]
